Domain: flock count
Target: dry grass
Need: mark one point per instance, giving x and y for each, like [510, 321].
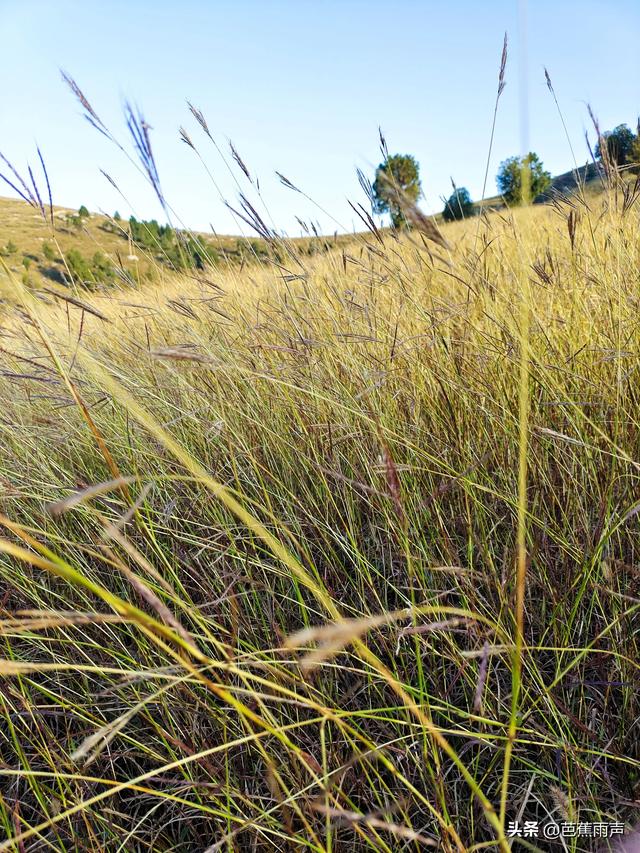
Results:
[287, 619]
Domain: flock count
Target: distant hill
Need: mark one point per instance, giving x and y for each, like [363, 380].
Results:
[84, 245]
[98, 249]
[588, 176]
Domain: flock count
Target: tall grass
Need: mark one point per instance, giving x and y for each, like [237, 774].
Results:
[335, 553]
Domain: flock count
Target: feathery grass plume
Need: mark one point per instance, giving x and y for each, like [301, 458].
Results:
[252, 218]
[608, 167]
[36, 193]
[184, 136]
[501, 87]
[89, 113]
[199, 117]
[411, 213]
[383, 144]
[22, 189]
[369, 223]
[179, 354]
[303, 225]
[572, 221]
[79, 303]
[139, 130]
[424, 224]
[375, 822]
[48, 185]
[367, 186]
[578, 182]
[287, 183]
[563, 804]
[238, 159]
[503, 66]
[110, 179]
[87, 493]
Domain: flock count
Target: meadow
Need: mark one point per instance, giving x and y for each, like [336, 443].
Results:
[329, 552]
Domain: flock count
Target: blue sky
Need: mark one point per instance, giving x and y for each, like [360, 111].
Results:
[301, 87]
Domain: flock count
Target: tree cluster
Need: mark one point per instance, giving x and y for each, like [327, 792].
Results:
[179, 250]
[89, 272]
[621, 147]
[397, 188]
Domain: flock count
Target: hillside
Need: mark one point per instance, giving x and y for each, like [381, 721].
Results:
[589, 176]
[97, 249]
[37, 253]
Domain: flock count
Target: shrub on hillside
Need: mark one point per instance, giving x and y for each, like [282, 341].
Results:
[9, 249]
[74, 219]
[98, 270]
[48, 251]
[101, 268]
[77, 266]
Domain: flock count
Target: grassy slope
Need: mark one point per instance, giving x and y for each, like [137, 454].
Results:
[25, 227]
[344, 444]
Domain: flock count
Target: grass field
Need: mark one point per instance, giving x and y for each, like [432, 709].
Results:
[339, 554]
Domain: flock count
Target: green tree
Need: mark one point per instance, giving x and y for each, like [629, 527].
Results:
[620, 145]
[509, 178]
[101, 268]
[74, 219]
[83, 213]
[458, 205]
[396, 186]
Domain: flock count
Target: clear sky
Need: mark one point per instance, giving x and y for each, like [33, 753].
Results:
[301, 87]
